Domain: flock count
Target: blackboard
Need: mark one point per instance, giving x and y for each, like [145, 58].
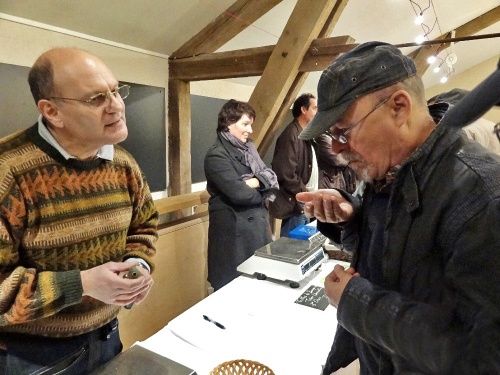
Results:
[314, 297]
[204, 113]
[145, 112]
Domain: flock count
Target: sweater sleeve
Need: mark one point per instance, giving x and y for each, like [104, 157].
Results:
[142, 233]
[26, 294]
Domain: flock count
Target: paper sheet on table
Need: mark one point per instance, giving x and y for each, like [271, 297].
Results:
[165, 343]
[251, 311]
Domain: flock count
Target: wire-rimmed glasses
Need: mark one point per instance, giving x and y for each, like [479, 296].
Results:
[103, 98]
[340, 135]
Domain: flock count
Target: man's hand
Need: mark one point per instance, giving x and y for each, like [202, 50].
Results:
[142, 296]
[326, 205]
[336, 282]
[106, 283]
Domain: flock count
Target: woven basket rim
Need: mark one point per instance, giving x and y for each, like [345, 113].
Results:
[244, 364]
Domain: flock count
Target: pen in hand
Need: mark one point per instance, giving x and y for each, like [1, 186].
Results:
[214, 322]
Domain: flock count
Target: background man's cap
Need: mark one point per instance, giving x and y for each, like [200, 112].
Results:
[367, 68]
[452, 97]
[476, 102]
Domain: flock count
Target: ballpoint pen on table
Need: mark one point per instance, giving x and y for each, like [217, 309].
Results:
[214, 322]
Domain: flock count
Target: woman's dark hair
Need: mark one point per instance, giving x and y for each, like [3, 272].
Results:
[231, 112]
[41, 80]
[301, 101]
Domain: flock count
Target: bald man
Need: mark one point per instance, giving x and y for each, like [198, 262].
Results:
[75, 215]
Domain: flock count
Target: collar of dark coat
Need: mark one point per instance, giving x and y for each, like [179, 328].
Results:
[233, 151]
[417, 169]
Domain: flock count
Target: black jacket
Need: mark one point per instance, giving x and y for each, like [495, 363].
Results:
[438, 308]
[292, 163]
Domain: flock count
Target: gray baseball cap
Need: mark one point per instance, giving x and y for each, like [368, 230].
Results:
[476, 103]
[367, 68]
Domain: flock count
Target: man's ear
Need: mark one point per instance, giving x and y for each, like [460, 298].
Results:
[401, 106]
[50, 111]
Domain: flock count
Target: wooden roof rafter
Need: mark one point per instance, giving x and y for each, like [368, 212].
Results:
[196, 60]
[225, 27]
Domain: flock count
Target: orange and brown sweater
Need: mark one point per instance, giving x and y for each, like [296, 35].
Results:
[57, 218]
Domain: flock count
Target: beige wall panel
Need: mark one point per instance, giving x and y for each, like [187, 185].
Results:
[179, 281]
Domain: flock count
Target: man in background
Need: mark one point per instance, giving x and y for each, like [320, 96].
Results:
[295, 165]
[422, 293]
[76, 214]
[481, 130]
[333, 171]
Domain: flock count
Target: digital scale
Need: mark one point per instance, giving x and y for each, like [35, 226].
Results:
[286, 259]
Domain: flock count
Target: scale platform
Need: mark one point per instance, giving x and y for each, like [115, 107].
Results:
[285, 259]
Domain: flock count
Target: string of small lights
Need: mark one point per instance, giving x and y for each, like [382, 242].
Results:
[446, 64]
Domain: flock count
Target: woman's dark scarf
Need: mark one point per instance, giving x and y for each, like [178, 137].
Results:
[253, 160]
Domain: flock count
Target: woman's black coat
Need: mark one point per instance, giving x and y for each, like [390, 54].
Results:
[239, 221]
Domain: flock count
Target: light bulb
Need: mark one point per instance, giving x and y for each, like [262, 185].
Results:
[419, 19]
[443, 79]
[436, 69]
[431, 59]
[419, 39]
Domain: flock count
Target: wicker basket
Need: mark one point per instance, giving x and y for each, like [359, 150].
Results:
[241, 367]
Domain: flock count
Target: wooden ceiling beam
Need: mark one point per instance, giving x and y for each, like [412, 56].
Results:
[304, 25]
[225, 27]
[319, 48]
[252, 61]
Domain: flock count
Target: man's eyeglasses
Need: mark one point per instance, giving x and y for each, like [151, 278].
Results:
[497, 130]
[103, 98]
[340, 135]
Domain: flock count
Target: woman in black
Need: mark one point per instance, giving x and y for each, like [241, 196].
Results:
[239, 183]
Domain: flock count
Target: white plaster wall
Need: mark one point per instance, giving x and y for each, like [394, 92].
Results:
[221, 89]
[22, 43]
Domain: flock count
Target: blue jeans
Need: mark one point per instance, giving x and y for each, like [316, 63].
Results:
[287, 225]
[77, 355]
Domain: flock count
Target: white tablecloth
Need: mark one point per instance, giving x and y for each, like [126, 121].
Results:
[262, 323]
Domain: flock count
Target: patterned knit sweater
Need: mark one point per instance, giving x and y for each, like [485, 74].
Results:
[58, 217]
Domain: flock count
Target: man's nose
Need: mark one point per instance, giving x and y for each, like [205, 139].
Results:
[115, 102]
[338, 147]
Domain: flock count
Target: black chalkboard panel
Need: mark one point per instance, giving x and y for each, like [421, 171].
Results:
[147, 141]
[145, 112]
[204, 113]
[314, 297]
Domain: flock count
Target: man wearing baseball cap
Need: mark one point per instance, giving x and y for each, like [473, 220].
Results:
[422, 294]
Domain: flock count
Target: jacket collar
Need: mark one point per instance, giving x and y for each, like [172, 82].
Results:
[415, 171]
[233, 151]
